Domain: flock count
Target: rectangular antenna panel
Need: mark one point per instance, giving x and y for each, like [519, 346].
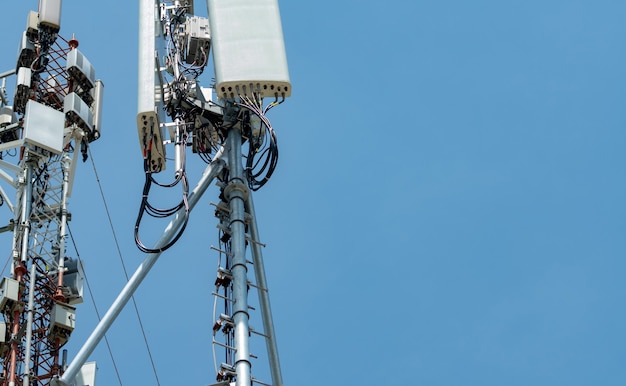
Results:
[50, 14]
[248, 48]
[87, 375]
[26, 54]
[97, 93]
[80, 69]
[31, 24]
[150, 88]
[22, 89]
[23, 76]
[43, 127]
[77, 112]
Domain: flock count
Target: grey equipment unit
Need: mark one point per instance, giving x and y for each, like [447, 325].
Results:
[9, 293]
[198, 39]
[248, 48]
[73, 280]
[62, 322]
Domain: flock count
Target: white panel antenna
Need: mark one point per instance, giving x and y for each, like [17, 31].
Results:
[50, 15]
[80, 69]
[26, 53]
[248, 48]
[22, 89]
[149, 91]
[43, 127]
[97, 94]
[32, 23]
[77, 112]
[87, 375]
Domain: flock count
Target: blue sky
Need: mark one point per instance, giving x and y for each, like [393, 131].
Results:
[448, 207]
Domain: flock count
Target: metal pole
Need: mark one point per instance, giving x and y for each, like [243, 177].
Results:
[26, 208]
[20, 265]
[236, 192]
[29, 324]
[212, 170]
[264, 298]
[6, 73]
[179, 145]
[61, 263]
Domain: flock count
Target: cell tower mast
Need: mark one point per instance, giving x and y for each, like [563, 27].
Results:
[54, 116]
[226, 126]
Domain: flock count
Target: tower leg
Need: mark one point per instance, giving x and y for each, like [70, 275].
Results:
[236, 193]
[264, 298]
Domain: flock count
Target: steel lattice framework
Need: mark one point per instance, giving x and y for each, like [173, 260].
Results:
[30, 349]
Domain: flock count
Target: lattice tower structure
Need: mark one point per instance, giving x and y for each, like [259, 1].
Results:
[41, 233]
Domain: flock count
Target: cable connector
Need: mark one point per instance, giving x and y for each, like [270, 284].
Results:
[225, 323]
[224, 277]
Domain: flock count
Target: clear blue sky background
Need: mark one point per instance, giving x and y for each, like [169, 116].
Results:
[448, 207]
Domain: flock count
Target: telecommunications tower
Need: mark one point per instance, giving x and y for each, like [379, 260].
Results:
[45, 128]
[224, 124]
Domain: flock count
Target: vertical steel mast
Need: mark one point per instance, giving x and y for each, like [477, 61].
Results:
[250, 65]
[54, 116]
[236, 193]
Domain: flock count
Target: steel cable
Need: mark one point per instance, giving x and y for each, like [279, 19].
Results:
[119, 251]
